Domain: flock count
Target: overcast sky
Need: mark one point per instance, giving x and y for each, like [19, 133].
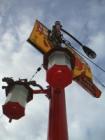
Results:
[83, 18]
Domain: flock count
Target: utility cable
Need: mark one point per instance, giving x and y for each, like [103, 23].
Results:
[80, 54]
[89, 52]
[89, 59]
[38, 69]
[84, 48]
[72, 37]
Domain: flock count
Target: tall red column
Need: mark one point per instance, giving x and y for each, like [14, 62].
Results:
[57, 116]
[58, 67]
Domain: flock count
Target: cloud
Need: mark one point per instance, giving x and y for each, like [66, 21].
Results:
[97, 43]
[5, 6]
[19, 59]
[32, 124]
[83, 112]
[8, 41]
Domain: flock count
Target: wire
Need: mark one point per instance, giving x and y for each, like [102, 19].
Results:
[72, 37]
[89, 59]
[96, 65]
[38, 69]
[80, 54]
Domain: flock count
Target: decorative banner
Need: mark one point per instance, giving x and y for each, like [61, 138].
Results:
[82, 74]
[80, 65]
[88, 85]
[39, 38]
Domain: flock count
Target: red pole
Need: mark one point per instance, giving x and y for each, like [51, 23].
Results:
[57, 116]
[59, 75]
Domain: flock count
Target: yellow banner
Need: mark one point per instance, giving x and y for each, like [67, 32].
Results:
[39, 38]
[80, 65]
[82, 74]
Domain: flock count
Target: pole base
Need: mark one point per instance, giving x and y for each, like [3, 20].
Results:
[57, 116]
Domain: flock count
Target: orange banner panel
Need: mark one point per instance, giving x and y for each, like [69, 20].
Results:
[80, 66]
[39, 38]
[88, 85]
[82, 74]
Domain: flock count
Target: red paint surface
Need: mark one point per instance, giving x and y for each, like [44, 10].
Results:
[13, 110]
[57, 116]
[59, 76]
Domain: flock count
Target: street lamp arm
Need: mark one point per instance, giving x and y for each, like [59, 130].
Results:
[89, 52]
[72, 37]
[44, 91]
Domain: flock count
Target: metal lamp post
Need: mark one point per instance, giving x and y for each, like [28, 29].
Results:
[59, 75]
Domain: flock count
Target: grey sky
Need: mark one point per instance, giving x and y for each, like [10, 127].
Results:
[84, 19]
